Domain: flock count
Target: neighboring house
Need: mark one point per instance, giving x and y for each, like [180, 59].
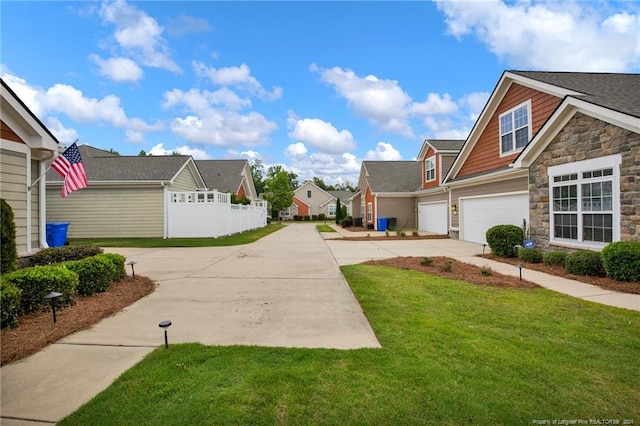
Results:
[436, 158]
[127, 196]
[228, 176]
[311, 200]
[388, 190]
[558, 150]
[26, 146]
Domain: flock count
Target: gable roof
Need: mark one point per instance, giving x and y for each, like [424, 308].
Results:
[603, 89]
[393, 176]
[341, 195]
[222, 175]
[102, 166]
[451, 146]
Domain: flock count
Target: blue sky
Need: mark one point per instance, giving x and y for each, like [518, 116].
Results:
[314, 86]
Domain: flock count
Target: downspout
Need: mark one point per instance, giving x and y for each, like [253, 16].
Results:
[165, 219]
[446, 188]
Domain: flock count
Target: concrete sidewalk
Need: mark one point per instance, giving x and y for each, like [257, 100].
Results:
[352, 252]
[284, 290]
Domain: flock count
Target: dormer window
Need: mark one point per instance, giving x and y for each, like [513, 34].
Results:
[515, 128]
[430, 169]
[309, 194]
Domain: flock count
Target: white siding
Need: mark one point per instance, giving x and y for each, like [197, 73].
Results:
[13, 188]
[108, 212]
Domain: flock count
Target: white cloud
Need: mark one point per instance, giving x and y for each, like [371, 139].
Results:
[225, 126]
[239, 77]
[445, 128]
[138, 35]
[559, 36]
[384, 152]
[184, 25]
[475, 102]
[63, 134]
[383, 102]
[118, 69]
[320, 134]
[30, 95]
[295, 150]
[196, 153]
[331, 168]
[435, 104]
[134, 136]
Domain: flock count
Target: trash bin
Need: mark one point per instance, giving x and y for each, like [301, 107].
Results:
[57, 233]
[357, 221]
[382, 224]
[392, 223]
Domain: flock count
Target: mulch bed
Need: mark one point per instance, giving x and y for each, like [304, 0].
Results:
[392, 235]
[602, 282]
[459, 271]
[36, 331]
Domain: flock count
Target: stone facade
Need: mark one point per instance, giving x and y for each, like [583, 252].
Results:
[585, 138]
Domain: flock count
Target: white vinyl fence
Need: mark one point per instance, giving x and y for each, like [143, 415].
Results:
[211, 214]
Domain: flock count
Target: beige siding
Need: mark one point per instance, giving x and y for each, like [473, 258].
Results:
[445, 164]
[403, 209]
[13, 188]
[184, 181]
[35, 203]
[441, 195]
[108, 212]
[356, 208]
[500, 187]
[318, 197]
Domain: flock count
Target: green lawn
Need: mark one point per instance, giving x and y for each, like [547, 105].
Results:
[231, 240]
[453, 353]
[325, 228]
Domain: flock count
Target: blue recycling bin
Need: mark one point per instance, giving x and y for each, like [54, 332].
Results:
[382, 223]
[57, 233]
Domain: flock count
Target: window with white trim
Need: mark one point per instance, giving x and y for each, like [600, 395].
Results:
[331, 210]
[430, 169]
[309, 194]
[515, 128]
[369, 212]
[583, 207]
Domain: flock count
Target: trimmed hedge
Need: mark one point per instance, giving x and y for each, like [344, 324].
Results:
[38, 281]
[118, 263]
[530, 255]
[585, 262]
[94, 274]
[555, 258]
[8, 249]
[504, 239]
[63, 254]
[9, 304]
[621, 261]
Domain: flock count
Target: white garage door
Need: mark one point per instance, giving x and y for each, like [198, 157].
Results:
[477, 215]
[432, 217]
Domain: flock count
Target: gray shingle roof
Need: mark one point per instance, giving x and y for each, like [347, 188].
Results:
[618, 92]
[341, 195]
[394, 176]
[102, 166]
[222, 175]
[446, 144]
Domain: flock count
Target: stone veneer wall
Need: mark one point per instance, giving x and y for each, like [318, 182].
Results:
[584, 138]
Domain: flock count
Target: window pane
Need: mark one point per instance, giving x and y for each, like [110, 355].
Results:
[507, 142]
[521, 117]
[565, 226]
[505, 124]
[597, 227]
[522, 137]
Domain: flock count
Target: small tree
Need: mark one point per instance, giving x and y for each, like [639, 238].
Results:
[339, 215]
[278, 187]
[8, 250]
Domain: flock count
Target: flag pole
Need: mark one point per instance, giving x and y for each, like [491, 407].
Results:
[45, 172]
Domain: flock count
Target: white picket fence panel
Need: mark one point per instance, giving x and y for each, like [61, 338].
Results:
[210, 214]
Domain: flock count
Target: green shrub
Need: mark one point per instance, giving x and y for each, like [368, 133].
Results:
[322, 216]
[314, 217]
[63, 254]
[448, 266]
[38, 281]
[621, 260]
[9, 304]
[94, 274]
[486, 271]
[585, 262]
[118, 263]
[426, 261]
[530, 255]
[555, 258]
[8, 250]
[504, 239]
[307, 218]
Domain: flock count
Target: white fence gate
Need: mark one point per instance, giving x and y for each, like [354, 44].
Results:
[211, 214]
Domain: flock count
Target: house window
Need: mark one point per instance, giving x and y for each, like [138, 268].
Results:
[584, 208]
[309, 194]
[369, 212]
[430, 169]
[332, 210]
[515, 128]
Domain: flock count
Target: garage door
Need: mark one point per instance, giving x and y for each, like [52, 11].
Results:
[477, 215]
[432, 217]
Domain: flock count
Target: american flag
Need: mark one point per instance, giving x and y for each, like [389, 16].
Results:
[69, 166]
